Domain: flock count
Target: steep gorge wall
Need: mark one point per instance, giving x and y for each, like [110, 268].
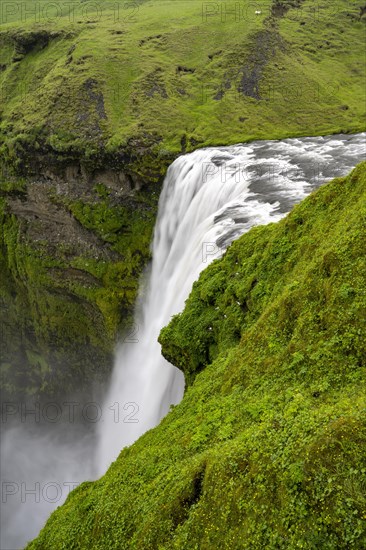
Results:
[72, 253]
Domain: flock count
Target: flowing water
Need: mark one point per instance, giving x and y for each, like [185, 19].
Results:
[209, 198]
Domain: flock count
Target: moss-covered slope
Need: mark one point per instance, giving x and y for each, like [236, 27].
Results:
[268, 447]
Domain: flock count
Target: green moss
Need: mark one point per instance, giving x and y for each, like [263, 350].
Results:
[267, 447]
[63, 308]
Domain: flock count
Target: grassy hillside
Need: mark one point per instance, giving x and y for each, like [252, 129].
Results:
[268, 447]
[153, 78]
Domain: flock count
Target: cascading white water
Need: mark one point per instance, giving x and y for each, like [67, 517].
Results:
[189, 202]
[210, 197]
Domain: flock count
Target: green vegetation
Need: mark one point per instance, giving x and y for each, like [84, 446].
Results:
[96, 100]
[67, 291]
[140, 82]
[267, 448]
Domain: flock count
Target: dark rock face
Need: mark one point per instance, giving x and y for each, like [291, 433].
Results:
[75, 238]
[265, 45]
[44, 220]
[73, 245]
[27, 41]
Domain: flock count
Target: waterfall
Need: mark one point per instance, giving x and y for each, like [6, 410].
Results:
[209, 198]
